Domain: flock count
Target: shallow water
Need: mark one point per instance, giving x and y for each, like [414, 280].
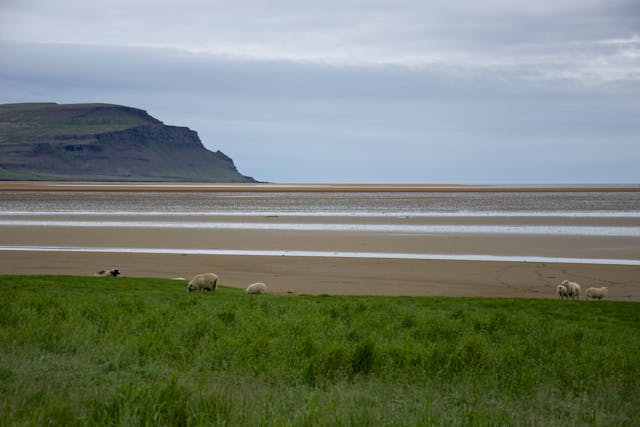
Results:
[465, 212]
[326, 254]
[568, 230]
[538, 221]
[321, 203]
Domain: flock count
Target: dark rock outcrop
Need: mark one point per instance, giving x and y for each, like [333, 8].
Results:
[103, 142]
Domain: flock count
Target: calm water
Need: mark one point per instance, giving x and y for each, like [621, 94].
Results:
[611, 220]
[626, 204]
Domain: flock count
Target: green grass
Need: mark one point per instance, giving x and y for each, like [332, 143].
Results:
[104, 351]
[28, 123]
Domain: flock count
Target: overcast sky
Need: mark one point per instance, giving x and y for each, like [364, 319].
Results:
[455, 91]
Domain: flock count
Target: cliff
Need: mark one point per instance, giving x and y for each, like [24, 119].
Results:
[103, 142]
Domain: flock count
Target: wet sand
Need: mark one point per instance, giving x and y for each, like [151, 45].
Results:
[548, 245]
[341, 276]
[333, 275]
[294, 187]
[347, 276]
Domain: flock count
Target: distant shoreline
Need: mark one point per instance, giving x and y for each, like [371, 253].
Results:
[302, 187]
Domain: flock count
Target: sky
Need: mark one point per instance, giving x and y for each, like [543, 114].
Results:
[397, 91]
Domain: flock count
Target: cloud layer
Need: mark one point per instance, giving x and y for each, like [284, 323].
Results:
[413, 91]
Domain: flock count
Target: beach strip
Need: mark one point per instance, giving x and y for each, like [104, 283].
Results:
[343, 276]
[299, 187]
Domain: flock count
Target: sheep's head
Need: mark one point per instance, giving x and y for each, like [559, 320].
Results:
[114, 272]
[190, 288]
[564, 282]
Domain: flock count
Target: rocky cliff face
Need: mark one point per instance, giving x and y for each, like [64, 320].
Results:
[103, 142]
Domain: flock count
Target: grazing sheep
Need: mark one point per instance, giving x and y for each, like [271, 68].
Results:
[204, 281]
[562, 292]
[110, 273]
[257, 288]
[573, 289]
[596, 293]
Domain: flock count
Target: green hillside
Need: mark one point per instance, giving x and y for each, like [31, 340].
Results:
[51, 141]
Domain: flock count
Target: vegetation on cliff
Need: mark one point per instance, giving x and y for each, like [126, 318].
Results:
[103, 142]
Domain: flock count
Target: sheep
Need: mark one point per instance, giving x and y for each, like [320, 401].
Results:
[596, 293]
[204, 281]
[562, 291]
[114, 272]
[573, 289]
[257, 288]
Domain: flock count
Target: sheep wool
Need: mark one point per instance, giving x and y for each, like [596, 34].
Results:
[562, 292]
[257, 288]
[204, 281]
[596, 293]
[573, 289]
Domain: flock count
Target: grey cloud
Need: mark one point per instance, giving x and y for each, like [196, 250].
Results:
[406, 33]
[395, 91]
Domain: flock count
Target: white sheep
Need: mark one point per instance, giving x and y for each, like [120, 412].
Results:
[596, 293]
[573, 289]
[257, 288]
[562, 291]
[204, 281]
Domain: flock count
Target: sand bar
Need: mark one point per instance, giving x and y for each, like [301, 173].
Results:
[549, 245]
[296, 187]
[339, 276]
[336, 275]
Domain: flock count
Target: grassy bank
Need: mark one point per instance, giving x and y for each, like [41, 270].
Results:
[104, 351]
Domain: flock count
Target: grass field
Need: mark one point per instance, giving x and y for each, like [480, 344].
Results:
[104, 351]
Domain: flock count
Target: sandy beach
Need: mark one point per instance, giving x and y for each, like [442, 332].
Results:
[294, 187]
[310, 274]
[340, 276]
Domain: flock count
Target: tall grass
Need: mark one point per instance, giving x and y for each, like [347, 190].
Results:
[104, 351]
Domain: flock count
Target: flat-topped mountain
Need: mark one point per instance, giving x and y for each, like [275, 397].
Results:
[103, 142]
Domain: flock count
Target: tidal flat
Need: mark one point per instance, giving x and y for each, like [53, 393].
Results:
[362, 239]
